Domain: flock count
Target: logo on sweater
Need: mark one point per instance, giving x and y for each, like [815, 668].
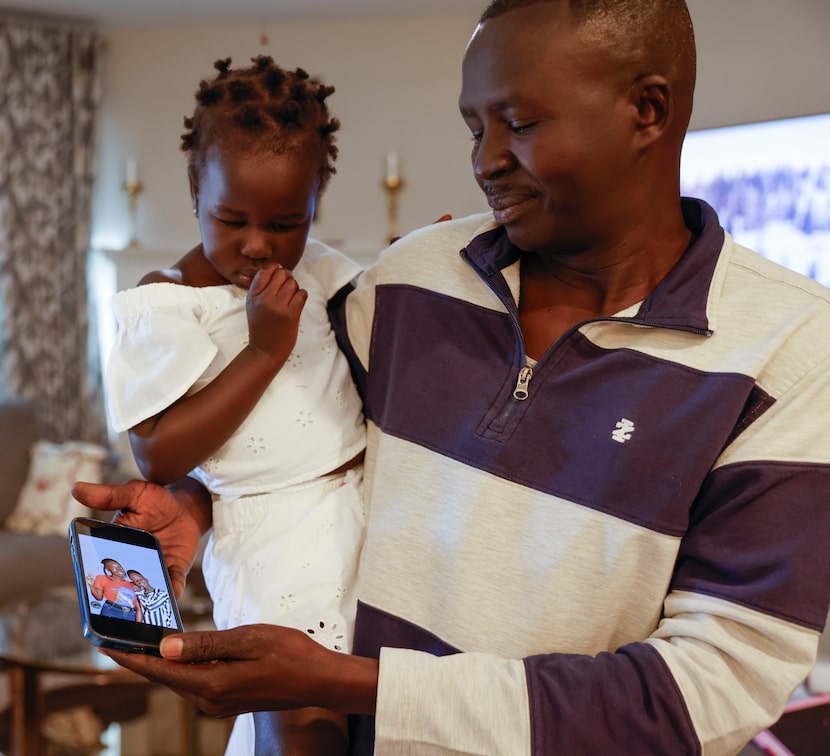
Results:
[623, 431]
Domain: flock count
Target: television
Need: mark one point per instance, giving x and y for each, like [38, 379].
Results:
[770, 185]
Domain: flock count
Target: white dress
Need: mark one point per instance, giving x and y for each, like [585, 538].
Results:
[286, 535]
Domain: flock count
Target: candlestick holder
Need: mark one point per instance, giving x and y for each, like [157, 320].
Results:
[133, 189]
[392, 185]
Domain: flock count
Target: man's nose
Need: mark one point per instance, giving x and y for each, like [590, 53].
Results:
[492, 155]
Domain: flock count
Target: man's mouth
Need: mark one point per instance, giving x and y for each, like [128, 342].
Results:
[508, 206]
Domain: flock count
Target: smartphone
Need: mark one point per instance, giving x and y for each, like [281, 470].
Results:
[124, 590]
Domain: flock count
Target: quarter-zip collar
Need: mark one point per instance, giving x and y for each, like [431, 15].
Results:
[683, 299]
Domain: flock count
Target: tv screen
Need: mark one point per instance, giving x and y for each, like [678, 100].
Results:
[770, 184]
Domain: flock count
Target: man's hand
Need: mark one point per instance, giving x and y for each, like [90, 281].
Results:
[258, 668]
[176, 516]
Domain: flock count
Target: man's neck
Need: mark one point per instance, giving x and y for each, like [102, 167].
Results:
[558, 293]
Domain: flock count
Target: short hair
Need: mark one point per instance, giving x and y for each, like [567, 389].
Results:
[261, 107]
[654, 30]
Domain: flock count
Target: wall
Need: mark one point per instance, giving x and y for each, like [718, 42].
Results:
[760, 60]
[397, 84]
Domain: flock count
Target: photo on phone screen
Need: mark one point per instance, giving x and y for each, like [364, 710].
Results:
[125, 593]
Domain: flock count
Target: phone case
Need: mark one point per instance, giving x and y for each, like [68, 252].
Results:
[124, 590]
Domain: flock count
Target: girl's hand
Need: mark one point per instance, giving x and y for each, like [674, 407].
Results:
[275, 302]
[90, 580]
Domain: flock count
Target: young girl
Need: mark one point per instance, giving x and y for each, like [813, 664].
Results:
[226, 365]
[117, 593]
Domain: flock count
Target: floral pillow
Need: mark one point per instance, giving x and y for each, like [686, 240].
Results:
[45, 505]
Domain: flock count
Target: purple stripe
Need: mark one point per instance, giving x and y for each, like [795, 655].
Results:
[629, 697]
[443, 373]
[375, 629]
[728, 552]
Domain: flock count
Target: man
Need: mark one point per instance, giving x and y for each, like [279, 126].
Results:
[596, 464]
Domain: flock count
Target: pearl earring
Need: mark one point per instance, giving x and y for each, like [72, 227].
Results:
[196, 212]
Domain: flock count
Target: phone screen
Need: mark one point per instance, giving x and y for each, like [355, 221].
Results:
[126, 597]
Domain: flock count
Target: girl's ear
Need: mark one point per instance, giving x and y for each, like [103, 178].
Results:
[194, 189]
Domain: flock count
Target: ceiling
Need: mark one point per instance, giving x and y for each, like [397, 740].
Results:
[163, 12]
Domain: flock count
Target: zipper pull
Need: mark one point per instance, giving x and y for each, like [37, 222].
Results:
[520, 392]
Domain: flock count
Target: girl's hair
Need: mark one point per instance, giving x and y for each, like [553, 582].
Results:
[261, 108]
[104, 561]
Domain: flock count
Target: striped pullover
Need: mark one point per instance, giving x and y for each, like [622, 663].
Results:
[633, 558]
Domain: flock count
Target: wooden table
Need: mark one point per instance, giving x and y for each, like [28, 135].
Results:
[114, 696]
[51, 667]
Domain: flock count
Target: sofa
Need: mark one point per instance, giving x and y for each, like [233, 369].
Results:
[29, 563]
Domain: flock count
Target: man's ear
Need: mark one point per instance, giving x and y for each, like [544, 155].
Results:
[651, 95]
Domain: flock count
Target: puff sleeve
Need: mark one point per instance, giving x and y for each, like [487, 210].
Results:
[161, 348]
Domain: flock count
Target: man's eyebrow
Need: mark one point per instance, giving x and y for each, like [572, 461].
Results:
[497, 107]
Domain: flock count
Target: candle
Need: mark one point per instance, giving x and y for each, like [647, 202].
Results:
[392, 166]
[132, 171]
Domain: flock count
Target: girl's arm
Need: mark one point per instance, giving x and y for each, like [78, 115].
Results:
[96, 591]
[170, 444]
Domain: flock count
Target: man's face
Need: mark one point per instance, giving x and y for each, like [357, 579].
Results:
[551, 132]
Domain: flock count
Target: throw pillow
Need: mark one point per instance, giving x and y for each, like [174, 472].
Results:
[45, 504]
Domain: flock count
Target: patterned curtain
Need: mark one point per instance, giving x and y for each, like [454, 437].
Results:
[49, 98]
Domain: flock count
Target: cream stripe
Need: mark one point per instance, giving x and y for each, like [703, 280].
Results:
[499, 581]
[737, 648]
[494, 723]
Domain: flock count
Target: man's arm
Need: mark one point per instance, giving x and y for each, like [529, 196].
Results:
[258, 668]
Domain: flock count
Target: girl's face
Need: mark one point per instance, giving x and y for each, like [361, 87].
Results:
[139, 580]
[254, 209]
[114, 569]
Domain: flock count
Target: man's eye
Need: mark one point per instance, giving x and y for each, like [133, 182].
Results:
[520, 127]
[231, 223]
